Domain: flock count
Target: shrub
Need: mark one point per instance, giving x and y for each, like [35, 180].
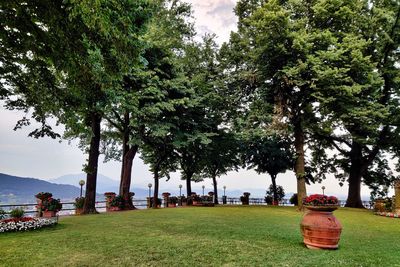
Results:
[2, 214]
[293, 200]
[17, 213]
[280, 192]
[268, 200]
[79, 202]
[50, 204]
[43, 195]
[173, 200]
[117, 201]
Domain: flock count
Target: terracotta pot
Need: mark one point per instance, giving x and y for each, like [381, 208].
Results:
[49, 214]
[320, 228]
[78, 211]
[108, 209]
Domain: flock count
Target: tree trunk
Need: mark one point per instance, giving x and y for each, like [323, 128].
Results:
[215, 190]
[356, 173]
[156, 184]
[275, 193]
[127, 176]
[91, 169]
[189, 176]
[300, 162]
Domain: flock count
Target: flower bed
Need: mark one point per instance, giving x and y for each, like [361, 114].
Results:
[388, 214]
[25, 224]
[320, 200]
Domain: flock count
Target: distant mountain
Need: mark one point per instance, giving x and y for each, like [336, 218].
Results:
[15, 189]
[104, 184]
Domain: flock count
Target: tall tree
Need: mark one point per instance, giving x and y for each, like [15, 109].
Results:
[167, 31]
[221, 156]
[84, 49]
[359, 74]
[268, 154]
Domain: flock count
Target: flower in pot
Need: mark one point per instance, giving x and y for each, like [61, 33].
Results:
[50, 207]
[116, 203]
[319, 227]
[79, 202]
[172, 202]
[196, 199]
[245, 198]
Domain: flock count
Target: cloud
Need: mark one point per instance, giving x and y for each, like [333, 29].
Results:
[214, 16]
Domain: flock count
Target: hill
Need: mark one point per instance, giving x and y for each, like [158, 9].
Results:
[104, 184]
[15, 189]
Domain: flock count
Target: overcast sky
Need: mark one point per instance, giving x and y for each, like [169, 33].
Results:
[46, 158]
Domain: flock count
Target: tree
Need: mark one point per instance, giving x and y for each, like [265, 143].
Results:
[274, 194]
[268, 154]
[199, 121]
[221, 156]
[360, 97]
[167, 32]
[83, 49]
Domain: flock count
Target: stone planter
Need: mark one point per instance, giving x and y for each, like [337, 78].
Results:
[49, 214]
[320, 228]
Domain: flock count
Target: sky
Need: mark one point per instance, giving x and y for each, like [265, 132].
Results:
[46, 158]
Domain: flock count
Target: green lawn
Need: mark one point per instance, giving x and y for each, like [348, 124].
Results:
[220, 236]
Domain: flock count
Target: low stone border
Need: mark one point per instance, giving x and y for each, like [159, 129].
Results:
[25, 224]
[388, 214]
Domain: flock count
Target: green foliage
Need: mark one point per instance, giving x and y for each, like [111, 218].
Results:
[3, 214]
[17, 213]
[294, 200]
[50, 204]
[79, 202]
[117, 201]
[280, 192]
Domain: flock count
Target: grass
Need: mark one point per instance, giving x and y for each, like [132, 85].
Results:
[220, 236]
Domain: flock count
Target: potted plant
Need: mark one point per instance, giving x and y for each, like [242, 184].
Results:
[172, 202]
[319, 227]
[40, 197]
[196, 199]
[245, 198]
[115, 203]
[50, 207]
[79, 202]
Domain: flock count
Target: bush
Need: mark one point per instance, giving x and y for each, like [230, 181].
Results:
[17, 213]
[293, 200]
[280, 192]
[2, 214]
[268, 200]
[79, 202]
[43, 195]
[50, 204]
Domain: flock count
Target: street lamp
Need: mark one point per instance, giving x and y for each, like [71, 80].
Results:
[180, 190]
[149, 185]
[203, 189]
[224, 189]
[81, 183]
[323, 190]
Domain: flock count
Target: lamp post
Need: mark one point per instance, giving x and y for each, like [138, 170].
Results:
[323, 190]
[180, 190]
[81, 183]
[203, 188]
[224, 197]
[149, 185]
